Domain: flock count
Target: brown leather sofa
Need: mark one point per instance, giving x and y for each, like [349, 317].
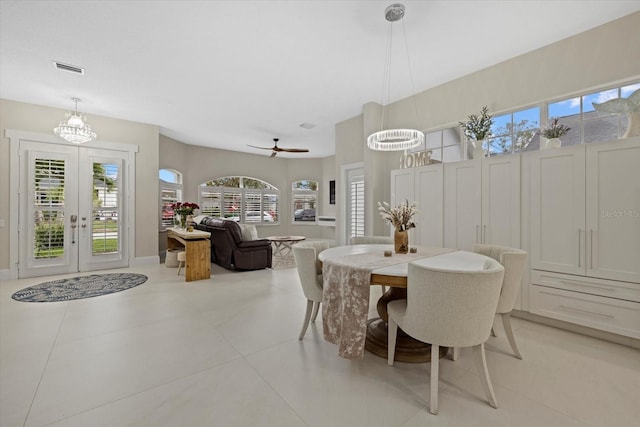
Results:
[228, 250]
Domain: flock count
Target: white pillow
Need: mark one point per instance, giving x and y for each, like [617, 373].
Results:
[249, 232]
[198, 218]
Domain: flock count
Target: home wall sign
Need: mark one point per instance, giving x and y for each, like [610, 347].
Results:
[414, 160]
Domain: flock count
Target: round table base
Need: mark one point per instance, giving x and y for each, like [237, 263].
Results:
[408, 350]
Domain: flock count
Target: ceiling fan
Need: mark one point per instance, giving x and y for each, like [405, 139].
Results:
[275, 149]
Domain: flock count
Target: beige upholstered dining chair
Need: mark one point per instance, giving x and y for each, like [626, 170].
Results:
[514, 262]
[451, 308]
[372, 240]
[310, 274]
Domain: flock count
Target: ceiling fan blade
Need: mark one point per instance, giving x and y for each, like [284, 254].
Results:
[261, 148]
[273, 154]
[295, 150]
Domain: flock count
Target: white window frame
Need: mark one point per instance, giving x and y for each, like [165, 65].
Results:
[579, 118]
[169, 186]
[297, 194]
[535, 129]
[220, 208]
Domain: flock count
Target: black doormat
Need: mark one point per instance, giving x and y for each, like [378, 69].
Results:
[79, 287]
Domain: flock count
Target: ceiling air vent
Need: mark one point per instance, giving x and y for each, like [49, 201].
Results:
[307, 126]
[68, 67]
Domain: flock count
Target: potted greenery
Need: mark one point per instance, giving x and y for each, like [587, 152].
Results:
[553, 132]
[477, 128]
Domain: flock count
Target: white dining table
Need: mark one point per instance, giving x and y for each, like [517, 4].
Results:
[389, 271]
[396, 274]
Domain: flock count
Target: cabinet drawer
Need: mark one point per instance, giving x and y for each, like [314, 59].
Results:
[588, 285]
[607, 314]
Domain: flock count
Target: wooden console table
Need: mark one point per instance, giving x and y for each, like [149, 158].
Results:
[197, 246]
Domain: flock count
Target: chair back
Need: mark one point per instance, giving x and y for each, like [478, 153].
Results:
[371, 240]
[452, 308]
[514, 262]
[309, 271]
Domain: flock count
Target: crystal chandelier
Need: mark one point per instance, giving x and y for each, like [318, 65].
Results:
[394, 139]
[74, 128]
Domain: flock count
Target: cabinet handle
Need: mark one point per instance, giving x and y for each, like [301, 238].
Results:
[591, 249]
[605, 316]
[579, 247]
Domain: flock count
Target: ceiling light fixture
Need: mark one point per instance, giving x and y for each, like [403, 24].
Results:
[394, 139]
[74, 128]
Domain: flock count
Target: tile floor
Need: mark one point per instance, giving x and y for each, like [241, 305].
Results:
[224, 352]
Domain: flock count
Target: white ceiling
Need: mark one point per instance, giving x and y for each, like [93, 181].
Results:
[227, 74]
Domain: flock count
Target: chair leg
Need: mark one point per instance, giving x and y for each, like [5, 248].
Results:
[392, 332]
[307, 316]
[481, 365]
[493, 332]
[435, 363]
[180, 264]
[455, 353]
[316, 307]
[506, 322]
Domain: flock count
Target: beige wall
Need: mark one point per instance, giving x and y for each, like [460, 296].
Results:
[200, 164]
[604, 56]
[34, 118]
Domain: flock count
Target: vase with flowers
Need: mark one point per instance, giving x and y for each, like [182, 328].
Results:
[183, 209]
[476, 129]
[401, 217]
[553, 132]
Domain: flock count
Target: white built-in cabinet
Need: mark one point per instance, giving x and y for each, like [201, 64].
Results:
[482, 202]
[585, 235]
[422, 185]
[576, 211]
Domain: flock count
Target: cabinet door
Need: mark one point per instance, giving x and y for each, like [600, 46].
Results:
[501, 200]
[429, 192]
[401, 186]
[462, 204]
[558, 210]
[613, 210]
[402, 190]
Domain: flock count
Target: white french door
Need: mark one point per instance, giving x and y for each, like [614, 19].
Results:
[72, 209]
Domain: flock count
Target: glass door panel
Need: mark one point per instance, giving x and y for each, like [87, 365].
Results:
[102, 242]
[47, 209]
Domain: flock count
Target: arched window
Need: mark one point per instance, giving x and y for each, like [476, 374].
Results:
[170, 192]
[304, 194]
[240, 198]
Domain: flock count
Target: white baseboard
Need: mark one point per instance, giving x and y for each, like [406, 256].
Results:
[147, 260]
[579, 329]
[5, 274]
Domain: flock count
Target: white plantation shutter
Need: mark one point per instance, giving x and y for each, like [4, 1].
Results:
[48, 204]
[356, 207]
[219, 201]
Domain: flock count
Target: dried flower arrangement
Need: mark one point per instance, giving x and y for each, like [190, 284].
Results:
[401, 217]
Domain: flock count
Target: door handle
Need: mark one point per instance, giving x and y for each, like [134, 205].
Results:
[73, 220]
